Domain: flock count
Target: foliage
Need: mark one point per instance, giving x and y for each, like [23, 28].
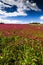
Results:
[15, 50]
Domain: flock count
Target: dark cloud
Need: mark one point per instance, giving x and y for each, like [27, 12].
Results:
[20, 4]
[38, 2]
[5, 3]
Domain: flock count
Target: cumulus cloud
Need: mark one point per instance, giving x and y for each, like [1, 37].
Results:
[41, 17]
[15, 14]
[3, 5]
[9, 21]
[22, 5]
[6, 21]
[5, 14]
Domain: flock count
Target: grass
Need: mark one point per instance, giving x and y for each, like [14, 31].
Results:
[16, 50]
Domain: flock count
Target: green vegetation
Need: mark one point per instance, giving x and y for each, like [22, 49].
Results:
[16, 50]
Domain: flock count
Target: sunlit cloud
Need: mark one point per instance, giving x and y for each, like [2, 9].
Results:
[6, 21]
[41, 17]
[22, 7]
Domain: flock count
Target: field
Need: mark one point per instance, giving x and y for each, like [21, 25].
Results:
[21, 44]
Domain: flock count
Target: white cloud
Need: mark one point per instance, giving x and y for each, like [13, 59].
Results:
[35, 7]
[11, 2]
[5, 14]
[41, 17]
[22, 5]
[3, 5]
[12, 21]
[9, 21]
[15, 14]
[2, 12]
[41, 22]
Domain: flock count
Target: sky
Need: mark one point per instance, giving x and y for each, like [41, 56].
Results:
[21, 11]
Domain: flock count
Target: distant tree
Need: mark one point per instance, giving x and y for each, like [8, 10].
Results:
[35, 23]
[1, 23]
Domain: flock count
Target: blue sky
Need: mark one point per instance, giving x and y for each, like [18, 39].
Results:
[21, 11]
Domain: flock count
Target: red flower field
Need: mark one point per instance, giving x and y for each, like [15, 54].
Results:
[28, 30]
[21, 44]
